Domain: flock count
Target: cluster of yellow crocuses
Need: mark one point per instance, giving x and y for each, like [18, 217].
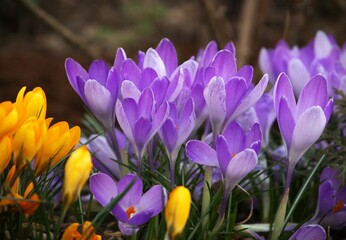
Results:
[30, 142]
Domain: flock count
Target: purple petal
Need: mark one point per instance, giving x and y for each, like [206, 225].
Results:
[240, 166]
[134, 194]
[74, 69]
[313, 94]
[246, 72]
[168, 55]
[103, 188]
[146, 103]
[169, 135]
[328, 110]
[224, 63]
[130, 71]
[254, 137]
[159, 88]
[252, 98]
[154, 61]
[326, 199]
[147, 78]
[100, 101]
[104, 158]
[322, 45]
[286, 122]
[309, 232]
[142, 132]
[176, 84]
[201, 153]
[186, 122]
[113, 83]
[129, 90]
[151, 204]
[120, 56]
[127, 229]
[98, 70]
[224, 156]
[123, 121]
[284, 88]
[299, 75]
[235, 137]
[214, 95]
[308, 129]
[159, 118]
[265, 65]
[209, 53]
[235, 91]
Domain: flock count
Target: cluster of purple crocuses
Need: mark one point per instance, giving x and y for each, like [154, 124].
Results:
[157, 101]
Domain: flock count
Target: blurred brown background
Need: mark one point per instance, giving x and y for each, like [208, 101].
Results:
[33, 48]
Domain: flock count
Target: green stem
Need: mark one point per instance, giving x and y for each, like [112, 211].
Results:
[280, 216]
[206, 198]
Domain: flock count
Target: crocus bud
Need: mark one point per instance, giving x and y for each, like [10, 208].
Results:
[177, 211]
[77, 170]
[59, 141]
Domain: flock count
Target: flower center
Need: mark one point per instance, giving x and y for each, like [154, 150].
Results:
[130, 211]
[338, 206]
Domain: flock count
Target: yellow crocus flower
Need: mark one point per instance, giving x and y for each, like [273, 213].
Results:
[34, 101]
[77, 170]
[59, 141]
[6, 151]
[27, 140]
[10, 117]
[177, 211]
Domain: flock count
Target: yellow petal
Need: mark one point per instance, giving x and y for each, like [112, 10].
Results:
[71, 232]
[6, 152]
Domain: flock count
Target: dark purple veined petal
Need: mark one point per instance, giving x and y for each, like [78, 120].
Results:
[134, 194]
[224, 64]
[286, 122]
[283, 88]
[309, 232]
[74, 69]
[98, 70]
[168, 135]
[224, 156]
[168, 54]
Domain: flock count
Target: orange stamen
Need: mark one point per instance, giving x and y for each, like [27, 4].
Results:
[338, 206]
[130, 211]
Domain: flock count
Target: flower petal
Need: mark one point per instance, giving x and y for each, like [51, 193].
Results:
[130, 90]
[201, 153]
[134, 194]
[98, 70]
[103, 188]
[224, 156]
[169, 135]
[286, 122]
[225, 65]
[299, 75]
[154, 61]
[168, 55]
[309, 232]
[215, 95]
[240, 166]
[74, 69]
[313, 94]
[308, 129]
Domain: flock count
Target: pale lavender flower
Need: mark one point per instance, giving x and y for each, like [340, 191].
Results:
[309, 232]
[133, 210]
[331, 208]
[321, 55]
[235, 155]
[228, 92]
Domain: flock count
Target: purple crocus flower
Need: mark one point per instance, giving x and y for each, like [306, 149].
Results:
[140, 120]
[228, 92]
[331, 208]
[176, 130]
[235, 154]
[133, 210]
[98, 87]
[309, 232]
[301, 123]
[321, 55]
